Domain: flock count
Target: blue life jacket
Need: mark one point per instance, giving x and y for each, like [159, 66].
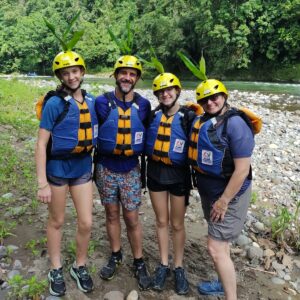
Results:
[74, 134]
[206, 153]
[167, 140]
[123, 132]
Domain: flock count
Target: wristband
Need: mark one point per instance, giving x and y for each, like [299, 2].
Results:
[43, 186]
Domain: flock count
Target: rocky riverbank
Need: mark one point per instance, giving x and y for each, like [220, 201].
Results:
[265, 269]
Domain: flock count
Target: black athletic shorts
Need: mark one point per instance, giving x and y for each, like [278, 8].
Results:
[176, 189]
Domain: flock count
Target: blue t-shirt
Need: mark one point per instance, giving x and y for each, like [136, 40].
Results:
[240, 141]
[117, 163]
[67, 168]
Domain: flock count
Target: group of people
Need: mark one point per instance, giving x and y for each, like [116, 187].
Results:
[116, 129]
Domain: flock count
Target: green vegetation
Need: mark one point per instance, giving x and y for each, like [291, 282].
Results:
[5, 230]
[34, 244]
[31, 287]
[286, 226]
[240, 39]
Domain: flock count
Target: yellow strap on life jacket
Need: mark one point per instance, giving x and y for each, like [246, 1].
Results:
[124, 139]
[39, 107]
[193, 151]
[163, 146]
[255, 119]
[85, 132]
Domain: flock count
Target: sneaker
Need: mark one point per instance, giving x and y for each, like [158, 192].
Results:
[159, 279]
[142, 275]
[108, 271]
[181, 283]
[210, 288]
[57, 285]
[83, 278]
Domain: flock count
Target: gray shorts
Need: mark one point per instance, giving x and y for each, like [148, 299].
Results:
[59, 181]
[233, 223]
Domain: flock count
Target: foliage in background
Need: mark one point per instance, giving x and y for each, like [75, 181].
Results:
[236, 35]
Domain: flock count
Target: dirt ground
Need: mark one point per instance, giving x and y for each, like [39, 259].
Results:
[252, 284]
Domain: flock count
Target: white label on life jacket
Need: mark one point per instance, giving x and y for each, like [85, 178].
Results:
[207, 157]
[95, 131]
[179, 145]
[138, 139]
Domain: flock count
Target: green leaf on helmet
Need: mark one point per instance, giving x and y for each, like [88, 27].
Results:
[63, 39]
[76, 37]
[202, 64]
[192, 67]
[68, 29]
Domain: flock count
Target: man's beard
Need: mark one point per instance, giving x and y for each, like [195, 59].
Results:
[125, 90]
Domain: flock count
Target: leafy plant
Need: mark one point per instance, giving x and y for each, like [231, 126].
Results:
[66, 45]
[5, 229]
[199, 72]
[154, 62]
[253, 197]
[20, 287]
[286, 226]
[33, 244]
[124, 43]
[71, 250]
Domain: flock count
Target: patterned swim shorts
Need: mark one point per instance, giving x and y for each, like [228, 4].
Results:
[116, 187]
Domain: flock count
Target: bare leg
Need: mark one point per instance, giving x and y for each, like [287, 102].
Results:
[178, 210]
[82, 196]
[160, 201]
[134, 231]
[55, 222]
[220, 253]
[113, 226]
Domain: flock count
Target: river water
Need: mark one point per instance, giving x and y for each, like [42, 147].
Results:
[278, 95]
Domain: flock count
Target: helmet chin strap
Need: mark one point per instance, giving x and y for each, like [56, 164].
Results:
[166, 108]
[72, 91]
[219, 111]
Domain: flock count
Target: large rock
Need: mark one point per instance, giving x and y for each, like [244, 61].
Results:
[255, 252]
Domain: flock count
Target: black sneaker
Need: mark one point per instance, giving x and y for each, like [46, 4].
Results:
[108, 271]
[83, 278]
[57, 285]
[142, 275]
[181, 283]
[159, 279]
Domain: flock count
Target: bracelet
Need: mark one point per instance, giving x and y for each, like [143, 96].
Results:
[42, 187]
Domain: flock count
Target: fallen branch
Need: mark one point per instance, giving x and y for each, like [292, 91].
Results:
[264, 271]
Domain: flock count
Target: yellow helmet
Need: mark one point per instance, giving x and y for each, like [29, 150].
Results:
[210, 87]
[128, 61]
[67, 59]
[165, 80]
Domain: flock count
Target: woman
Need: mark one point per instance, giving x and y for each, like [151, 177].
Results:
[221, 145]
[168, 176]
[66, 137]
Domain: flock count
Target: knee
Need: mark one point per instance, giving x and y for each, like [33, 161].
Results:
[160, 224]
[85, 226]
[55, 222]
[112, 217]
[217, 253]
[132, 223]
[177, 227]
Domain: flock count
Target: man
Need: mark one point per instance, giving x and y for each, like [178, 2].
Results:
[122, 114]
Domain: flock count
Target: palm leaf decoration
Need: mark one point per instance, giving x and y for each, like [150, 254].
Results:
[198, 72]
[124, 44]
[76, 36]
[154, 62]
